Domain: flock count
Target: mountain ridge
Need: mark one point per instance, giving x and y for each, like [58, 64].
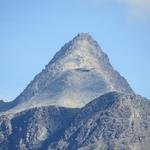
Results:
[78, 102]
[111, 121]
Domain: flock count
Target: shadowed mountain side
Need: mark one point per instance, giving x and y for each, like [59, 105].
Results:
[112, 121]
[34, 128]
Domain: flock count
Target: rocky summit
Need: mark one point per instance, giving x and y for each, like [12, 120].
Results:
[78, 102]
[77, 74]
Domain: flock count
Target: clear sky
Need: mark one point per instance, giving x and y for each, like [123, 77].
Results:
[32, 31]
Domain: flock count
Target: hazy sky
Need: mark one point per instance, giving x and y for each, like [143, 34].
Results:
[31, 31]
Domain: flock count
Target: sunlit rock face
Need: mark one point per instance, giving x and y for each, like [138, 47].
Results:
[78, 73]
[94, 107]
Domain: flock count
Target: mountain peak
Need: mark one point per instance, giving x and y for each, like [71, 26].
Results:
[83, 36]
[81, 48]
[79, 72]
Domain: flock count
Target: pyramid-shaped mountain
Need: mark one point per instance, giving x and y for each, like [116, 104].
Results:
[111, 116]
[78, 73]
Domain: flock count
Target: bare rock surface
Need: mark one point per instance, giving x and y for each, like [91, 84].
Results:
[78, 102]
[114, 121]
[77, 74]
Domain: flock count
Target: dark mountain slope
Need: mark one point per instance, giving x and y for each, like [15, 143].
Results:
[34, 128]
[112, 121]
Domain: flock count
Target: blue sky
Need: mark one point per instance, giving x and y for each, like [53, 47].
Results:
[32, 31]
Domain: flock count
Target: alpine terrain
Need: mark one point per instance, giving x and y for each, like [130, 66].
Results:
[78, 73]
[78, 102]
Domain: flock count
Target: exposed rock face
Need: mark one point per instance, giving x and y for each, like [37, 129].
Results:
[112, 121]
[33, 129]
[78, 73]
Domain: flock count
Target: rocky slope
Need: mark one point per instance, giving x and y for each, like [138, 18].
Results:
[78, 73]
[34, 128]
[113, 121]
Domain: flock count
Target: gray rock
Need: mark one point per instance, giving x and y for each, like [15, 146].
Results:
[114, 121]
[34, 128]
[78, 73]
